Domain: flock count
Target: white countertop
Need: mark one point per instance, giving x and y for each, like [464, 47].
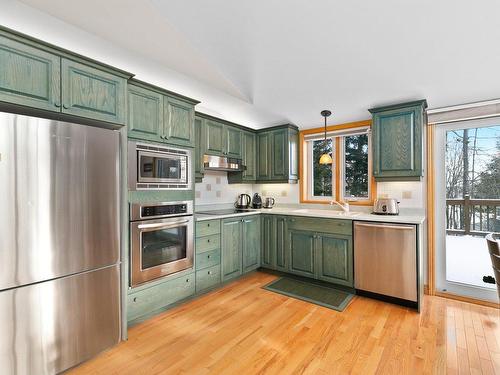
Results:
[408, 218]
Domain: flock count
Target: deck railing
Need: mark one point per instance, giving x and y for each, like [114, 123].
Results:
[472, 216]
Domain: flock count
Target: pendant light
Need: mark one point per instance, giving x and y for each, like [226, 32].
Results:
[325, 158]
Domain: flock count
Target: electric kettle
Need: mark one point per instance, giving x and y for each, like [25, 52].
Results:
[243, 201]
[256, 201]
[269, 202]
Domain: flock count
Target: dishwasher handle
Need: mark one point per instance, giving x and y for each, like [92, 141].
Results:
[388, 226]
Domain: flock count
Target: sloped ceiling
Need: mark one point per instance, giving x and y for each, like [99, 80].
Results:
[287, 60]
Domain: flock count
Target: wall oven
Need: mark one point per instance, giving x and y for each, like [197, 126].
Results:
[153, 167]
[161, 240]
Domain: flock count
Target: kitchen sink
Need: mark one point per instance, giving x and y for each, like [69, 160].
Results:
[325, 212]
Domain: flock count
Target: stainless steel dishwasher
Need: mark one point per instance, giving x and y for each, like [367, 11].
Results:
[385, 261]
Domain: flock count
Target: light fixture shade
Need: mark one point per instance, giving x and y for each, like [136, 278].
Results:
[325, 159]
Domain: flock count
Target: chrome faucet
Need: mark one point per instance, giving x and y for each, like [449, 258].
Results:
[344, 206]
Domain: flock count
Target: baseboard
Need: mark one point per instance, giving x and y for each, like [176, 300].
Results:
[467, 299]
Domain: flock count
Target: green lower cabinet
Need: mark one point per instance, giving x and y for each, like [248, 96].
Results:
[29, 76]
[231, 248]
[335, 259]
[207, 278]
[268, 243]
[251, 243]
[148, 301]
[302, 252]
[207, 259]
[93, 93]
[281, 263]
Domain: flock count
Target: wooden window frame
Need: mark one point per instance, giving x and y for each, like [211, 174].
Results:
[302, 165]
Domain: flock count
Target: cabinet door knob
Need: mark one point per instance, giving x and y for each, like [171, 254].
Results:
[187, 280]
[208, 224]
[209, 272]
[135, 299]
[208, 256]
[208, 241]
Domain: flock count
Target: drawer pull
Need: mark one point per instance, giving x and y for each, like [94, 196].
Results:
[135, 299]
[208, 240]
[208, 256]
[208, 224]
[187, 280]
[209, 272]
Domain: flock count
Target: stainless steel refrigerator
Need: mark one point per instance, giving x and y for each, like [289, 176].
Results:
[59, 243]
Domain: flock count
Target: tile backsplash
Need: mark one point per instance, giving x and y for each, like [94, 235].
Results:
[216, 190]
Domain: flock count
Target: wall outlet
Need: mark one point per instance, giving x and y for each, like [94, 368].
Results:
[197, 194]
[217, 180]
[209, 187]
[383, 195]
[407, 194]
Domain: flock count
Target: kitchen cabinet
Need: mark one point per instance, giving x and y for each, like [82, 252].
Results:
[248, 155]
[214, 136]
[231, 248]
[29, 76]
[156, 115]
[208, 254]
[277, 150]
[233, 142]
[178, 122]
[397, 141]
[302, 252]
[240, 245]
[145, 113]
[150, 300]
[311, 247]
[199, 149]
[92, 93]
[335, 258]
[49, 79]
[251, 243]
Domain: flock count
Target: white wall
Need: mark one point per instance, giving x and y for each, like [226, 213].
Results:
[410, 194]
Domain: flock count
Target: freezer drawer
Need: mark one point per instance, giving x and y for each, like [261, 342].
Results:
[51, 326]
[59, 199]
[385, 259]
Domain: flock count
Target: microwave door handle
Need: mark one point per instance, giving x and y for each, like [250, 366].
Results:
[162, 225]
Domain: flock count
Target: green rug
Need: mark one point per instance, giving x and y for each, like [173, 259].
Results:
[320, 295]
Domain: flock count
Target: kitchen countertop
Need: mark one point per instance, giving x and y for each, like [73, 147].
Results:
[405, 217]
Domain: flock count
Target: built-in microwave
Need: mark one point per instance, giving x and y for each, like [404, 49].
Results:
[155, 167]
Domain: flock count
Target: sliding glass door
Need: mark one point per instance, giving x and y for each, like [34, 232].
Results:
[467, 205]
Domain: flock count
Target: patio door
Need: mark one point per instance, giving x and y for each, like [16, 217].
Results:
[467, 205]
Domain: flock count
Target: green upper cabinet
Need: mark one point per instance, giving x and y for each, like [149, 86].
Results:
[93, 93]
[232, 141]
[145, 114]
[231, 248]
[199, 150]
[155, 114]
[277, 154]
[251, 243]
[397, 141]
[214, 137]
[264, 156]
[178, 122]
[29, 76]
[335, 259]
[249, 156]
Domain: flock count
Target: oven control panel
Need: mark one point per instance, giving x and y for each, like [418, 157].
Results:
[164, 210]
[158, 210]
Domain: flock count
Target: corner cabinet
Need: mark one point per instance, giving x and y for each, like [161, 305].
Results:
[277, 150]
[397, 141]
[157, 115]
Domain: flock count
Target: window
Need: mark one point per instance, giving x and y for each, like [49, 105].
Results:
[348, 178]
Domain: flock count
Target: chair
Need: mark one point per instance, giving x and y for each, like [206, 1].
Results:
[494, 249]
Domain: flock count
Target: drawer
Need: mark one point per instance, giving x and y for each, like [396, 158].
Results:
[148, 300]
[207, 278]
[339, 226]
[207, 227]
[208, 259]
[207, 243]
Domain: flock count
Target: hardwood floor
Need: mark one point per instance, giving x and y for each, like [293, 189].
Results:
[243, 329]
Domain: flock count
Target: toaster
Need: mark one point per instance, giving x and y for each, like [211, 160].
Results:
[386, 206]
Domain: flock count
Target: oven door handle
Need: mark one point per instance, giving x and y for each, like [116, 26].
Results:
[162, 225]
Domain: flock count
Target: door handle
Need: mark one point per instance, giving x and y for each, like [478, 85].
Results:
[162, 225]
[380, 226]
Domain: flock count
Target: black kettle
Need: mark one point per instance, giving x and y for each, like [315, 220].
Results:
[243, 201]
[256, 201]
